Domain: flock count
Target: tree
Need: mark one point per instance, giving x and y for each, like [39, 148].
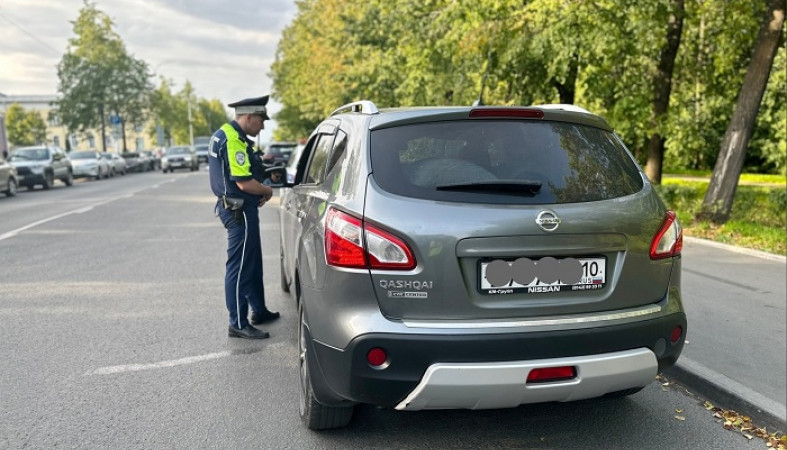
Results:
[717, 204]
[97, 77]
[24, 127]
[662, 87]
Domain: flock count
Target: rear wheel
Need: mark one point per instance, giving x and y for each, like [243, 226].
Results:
[11, 188]
[284, 286]
[49, 180]
[313, 414]
[69, 179]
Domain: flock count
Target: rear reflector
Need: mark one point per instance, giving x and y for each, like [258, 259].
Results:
[507, 112]
[676, 334]
[548, 374]
[376, 357]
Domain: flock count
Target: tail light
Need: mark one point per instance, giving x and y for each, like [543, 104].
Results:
[351, 243]
[668, 241]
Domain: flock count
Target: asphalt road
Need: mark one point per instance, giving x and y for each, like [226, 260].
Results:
[113, 335]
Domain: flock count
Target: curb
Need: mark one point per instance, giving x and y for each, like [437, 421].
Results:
[732, 248]
[730, 394]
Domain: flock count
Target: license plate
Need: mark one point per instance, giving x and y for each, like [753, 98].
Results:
[542, 275]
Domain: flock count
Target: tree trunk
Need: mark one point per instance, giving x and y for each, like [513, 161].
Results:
[567, 90]
[717, 204]
[103, 128]
[662, 87]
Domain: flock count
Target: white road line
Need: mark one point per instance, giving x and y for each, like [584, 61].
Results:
[109, 370]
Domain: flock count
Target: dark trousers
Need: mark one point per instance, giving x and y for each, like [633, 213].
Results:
[243, 286]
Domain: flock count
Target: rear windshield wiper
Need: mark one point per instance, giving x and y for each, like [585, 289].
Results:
[509, 186]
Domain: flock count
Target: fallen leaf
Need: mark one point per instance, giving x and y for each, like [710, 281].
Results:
[709, 406]
[680, 417]
[678, 410]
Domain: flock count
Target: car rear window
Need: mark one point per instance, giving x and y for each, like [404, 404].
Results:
[503, 162]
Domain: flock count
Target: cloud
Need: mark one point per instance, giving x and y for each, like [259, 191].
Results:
[225, 49]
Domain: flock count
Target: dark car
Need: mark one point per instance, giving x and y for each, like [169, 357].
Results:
[202, 152]
[8, 178]
[475, 257]
[42, 164]
[179, 157]
[278, 153]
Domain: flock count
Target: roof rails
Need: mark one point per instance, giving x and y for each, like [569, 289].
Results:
[564, 107]
[363, 107]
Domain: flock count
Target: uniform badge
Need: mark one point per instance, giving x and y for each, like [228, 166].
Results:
[240, 158]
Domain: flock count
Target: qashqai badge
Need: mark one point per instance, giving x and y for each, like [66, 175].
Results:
[548, 220]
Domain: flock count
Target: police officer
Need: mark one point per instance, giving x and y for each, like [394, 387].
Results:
[232, 165]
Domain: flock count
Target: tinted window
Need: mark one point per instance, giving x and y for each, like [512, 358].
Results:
[339, 146]
[500, 161]
[319, 158]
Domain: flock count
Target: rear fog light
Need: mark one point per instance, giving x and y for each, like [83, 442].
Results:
[549, 374]
[676, 334]
[377, 358]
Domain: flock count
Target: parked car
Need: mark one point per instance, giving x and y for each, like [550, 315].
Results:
[133, 163]
[202, 152]
[278, 152]
[154, 159]
[475, 257]
[292, 162]
[42, 165]
[8, 178]
[89, 164]
[117, 164]
[179, 157]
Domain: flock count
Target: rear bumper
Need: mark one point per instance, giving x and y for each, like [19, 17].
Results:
[626, 356]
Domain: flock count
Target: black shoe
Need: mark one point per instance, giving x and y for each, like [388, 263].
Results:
[267, 316]
[247, 333]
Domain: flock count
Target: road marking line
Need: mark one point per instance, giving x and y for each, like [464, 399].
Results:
[109, 370]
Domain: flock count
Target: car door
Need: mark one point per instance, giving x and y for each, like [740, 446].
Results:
[304, 207]
[59, 162]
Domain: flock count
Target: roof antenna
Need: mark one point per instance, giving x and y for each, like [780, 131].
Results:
[480, 101]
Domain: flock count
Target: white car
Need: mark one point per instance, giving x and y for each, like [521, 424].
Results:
[89, 164]
[117, 164]
[179, 157]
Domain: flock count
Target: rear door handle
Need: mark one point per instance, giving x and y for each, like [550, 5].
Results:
[301, 214]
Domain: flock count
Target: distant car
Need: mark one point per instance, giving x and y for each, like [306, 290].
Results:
[145, 163]
[133, 163]
[89, 164]
[202, 152]
[8, 178]
[117, 165]
[179, 157]
[278, 152]
[42, 165]
[292, 163]
[153, 158]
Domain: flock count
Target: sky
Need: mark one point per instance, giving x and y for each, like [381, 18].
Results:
[224, 48]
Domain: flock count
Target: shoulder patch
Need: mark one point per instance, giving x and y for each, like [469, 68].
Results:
[240, 158]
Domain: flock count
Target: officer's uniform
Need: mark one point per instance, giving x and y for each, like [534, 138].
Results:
[231, 159]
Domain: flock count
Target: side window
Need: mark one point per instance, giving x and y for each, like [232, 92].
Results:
[316, 170]
[339, 146]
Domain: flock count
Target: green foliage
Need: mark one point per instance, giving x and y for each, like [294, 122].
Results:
[98, 78]
[170, 110]
[24, 127]
[758, 220]
[601, 55]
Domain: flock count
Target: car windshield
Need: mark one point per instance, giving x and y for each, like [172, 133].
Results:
[280, 149]
[202, 148]
[29, 154]
[82, 155]
[130, 155]
[178, 151]
[107, 155]
[504, 162]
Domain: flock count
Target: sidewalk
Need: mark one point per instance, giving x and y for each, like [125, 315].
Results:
[736, 351]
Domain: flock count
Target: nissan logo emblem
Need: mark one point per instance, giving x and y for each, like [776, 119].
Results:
[547, 221]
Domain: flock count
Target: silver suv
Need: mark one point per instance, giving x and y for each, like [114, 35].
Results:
[42, 165]
[475, 257]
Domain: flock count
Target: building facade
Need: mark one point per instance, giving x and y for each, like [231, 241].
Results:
[57, 135]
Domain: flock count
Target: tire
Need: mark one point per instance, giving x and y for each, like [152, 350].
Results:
[49, 180]
[284, 286]
[12, 187]
[314, 415]
[69, 181]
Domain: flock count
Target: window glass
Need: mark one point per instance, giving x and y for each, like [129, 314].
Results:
[339, 146]
[503, 162]
[319, 158]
